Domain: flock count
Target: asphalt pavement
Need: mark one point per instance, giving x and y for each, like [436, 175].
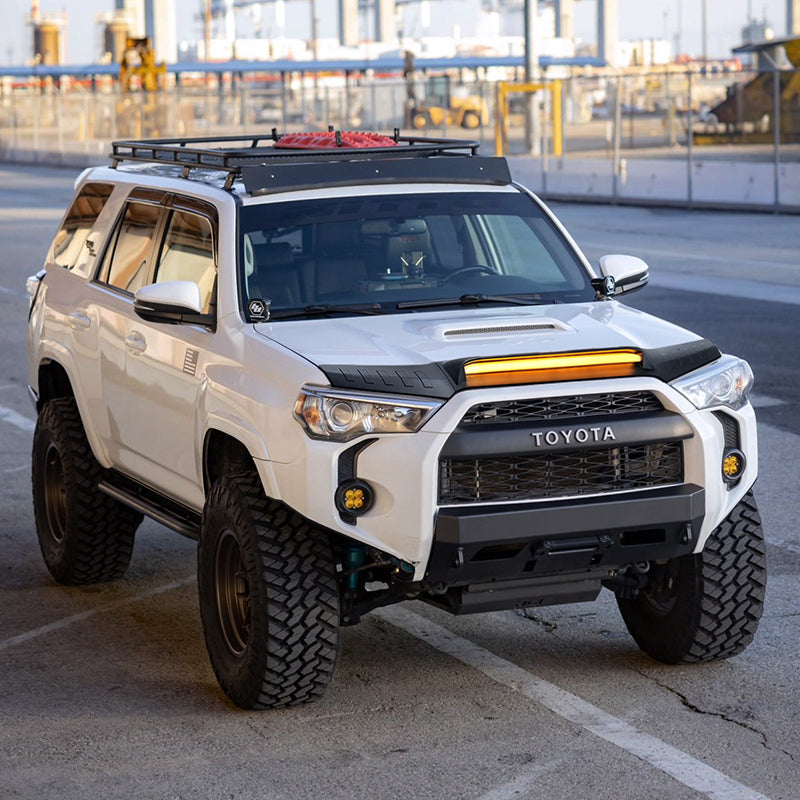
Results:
[106, 692]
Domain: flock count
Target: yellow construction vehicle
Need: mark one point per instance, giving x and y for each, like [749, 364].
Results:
[141, 110]
[747, 114]
[447, 105]
[138, 69]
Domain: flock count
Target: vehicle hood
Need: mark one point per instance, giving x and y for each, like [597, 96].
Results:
[438, 336]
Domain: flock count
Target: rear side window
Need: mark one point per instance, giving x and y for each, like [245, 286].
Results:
[71, 246]
[131, 250]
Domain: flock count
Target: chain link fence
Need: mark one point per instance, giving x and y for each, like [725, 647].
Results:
[677, 137]
[723, 140]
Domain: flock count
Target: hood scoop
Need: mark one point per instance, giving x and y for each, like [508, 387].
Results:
[508, 328]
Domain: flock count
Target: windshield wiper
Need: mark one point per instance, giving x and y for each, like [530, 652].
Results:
[323, 310]
[471, 300]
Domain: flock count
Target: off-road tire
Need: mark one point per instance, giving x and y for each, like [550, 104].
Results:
[269, 597]
[713, 606]
[471, 120]
[85, 536]
[419, 120]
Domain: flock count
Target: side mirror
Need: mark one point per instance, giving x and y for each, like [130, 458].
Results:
[621, 274]
[172, 302]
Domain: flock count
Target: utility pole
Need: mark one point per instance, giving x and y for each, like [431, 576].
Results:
[607, 30]
[565, 27]
[315, 56]
[792, 17]
[704, 26]
[207, 30]
[314, 38]
[532, 138]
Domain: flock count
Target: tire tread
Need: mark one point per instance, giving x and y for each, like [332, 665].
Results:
[734, 586]
[723, 587]
[301, 595]
[98, 542]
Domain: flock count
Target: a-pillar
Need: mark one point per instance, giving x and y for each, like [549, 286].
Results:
[607, 30]
[565, 25]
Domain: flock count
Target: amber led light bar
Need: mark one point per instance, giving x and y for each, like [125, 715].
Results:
[549, 368]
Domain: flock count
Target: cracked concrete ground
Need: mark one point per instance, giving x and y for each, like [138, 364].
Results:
[725, 715]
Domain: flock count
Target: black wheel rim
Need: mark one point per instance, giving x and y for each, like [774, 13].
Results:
[658, 597]
[233, 593]
[55, 493]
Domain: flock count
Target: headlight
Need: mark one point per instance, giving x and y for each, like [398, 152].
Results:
[726, 382]
[340, 416]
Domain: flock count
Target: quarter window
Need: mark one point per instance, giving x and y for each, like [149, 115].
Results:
[70, 248]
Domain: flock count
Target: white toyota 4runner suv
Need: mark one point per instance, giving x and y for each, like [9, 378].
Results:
[363, 369]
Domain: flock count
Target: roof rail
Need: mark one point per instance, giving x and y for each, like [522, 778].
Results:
[230, 153]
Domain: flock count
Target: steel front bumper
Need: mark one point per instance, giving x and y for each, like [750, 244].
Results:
[543, 553]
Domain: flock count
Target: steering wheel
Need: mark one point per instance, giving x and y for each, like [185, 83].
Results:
[479, 268]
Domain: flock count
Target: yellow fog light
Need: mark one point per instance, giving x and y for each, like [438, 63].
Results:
[354, 497]
[733, 462]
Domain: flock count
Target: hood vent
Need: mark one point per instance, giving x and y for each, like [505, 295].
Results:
[531, 326]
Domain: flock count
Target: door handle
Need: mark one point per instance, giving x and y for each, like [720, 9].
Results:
[79, 321]
[136, 343]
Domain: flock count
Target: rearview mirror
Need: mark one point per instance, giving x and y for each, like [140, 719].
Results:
[621, 274]
[171, 302]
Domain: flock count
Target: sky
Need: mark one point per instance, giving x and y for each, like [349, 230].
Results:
[638, 19]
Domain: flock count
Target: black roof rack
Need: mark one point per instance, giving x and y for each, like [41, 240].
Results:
[291, 169]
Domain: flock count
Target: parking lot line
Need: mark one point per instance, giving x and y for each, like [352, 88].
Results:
[687, 255]
[16, 419]
[64, 622]
[684, 768]
[728, 287]
[764, 401]
[522, 783]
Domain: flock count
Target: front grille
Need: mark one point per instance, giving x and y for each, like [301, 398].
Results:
[574, 406]
[544, 475]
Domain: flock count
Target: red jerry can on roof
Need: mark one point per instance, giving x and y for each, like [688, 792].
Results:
[328, 140]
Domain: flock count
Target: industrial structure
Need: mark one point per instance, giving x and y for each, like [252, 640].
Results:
[358, 21]
[766, 108]
[792, 17]
[48, 35]
[607, 25]
[153, 19]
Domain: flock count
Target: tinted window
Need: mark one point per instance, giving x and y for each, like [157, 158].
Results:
[188, 254]
[402, 248]
[522, 254]
[69, 246]
[132, 248]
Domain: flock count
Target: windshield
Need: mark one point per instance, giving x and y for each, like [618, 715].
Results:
[390, 253]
